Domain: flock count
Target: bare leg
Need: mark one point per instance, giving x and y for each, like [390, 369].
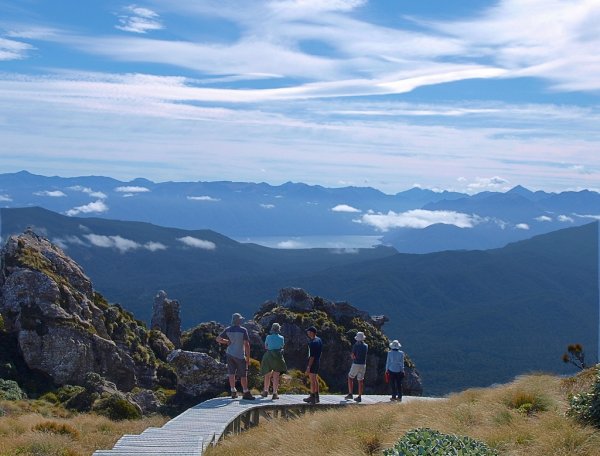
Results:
[351, 385]
[361, 385]
[314, 384]
[275, 382]
[244, 382]
[268, 381]
[232, 382]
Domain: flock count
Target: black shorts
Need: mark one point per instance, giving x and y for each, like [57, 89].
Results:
[314, 368]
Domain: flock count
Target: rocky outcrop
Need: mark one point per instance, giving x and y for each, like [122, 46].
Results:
[198, 374]
[64, 329]
[337, 323]
[166, 317]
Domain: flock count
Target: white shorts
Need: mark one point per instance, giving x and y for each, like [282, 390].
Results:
[357, 371]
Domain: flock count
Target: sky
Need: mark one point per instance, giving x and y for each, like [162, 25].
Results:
[469, 96]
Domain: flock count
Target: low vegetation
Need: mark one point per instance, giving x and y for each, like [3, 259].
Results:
[40, 428]
[526, 417]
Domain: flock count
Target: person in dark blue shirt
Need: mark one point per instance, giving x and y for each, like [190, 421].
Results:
[315, 348]
[359, 366]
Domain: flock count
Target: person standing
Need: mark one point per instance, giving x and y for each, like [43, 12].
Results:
[315, 347]
[394, 367]
[238, 355]
[359, 366]
[273, 362]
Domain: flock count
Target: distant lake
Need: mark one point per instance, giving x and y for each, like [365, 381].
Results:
[312, 242]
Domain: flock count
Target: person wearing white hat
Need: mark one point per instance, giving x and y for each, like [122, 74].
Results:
[359, 366]
[394, 368]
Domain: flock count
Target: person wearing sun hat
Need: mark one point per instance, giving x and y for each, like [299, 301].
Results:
[238, 355]
[273, 363]
[359, 366]
[394, 367]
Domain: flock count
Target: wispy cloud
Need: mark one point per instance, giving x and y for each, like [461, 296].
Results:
[267, 206]
[155, 246]
[138, 20]
[418, 218]
[191, 241]
[290, 244]
[5, 198]
[543, 218]
[344, 208]
[565, 219]
[51, 193]
[119, 243]
[131, 189]
[95, 207]
[488, 183]
[203, 198]
[522, 226]
[13, 50]
[89, 191]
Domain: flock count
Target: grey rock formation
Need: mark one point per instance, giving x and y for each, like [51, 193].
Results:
[166, 317]
[198, 374]
[63, 328]
[295, 299]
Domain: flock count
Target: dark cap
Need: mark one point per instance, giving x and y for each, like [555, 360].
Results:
[311, 329]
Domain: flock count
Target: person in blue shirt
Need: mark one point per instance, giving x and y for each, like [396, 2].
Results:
[394, 367]
[315, 347]
[359, 366]
[273, 363]
[238, 355]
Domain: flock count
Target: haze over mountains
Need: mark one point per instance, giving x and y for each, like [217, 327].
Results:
[468, 318]
[413, 221]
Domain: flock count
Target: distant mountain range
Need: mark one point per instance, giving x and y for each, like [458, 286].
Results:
[413, 221]
[467, 318]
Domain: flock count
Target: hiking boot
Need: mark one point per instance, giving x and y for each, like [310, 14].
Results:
[234, 395]
[275, 396]
[311, 399]
[348, 396]
[317, 398]
[248, 396]
[264, 393]
[357, 399]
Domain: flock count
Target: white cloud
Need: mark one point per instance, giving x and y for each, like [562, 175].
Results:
[203, 198]
[94, 207]
[344, 208]
[64, 242]
[13, 50]
[197, 243]
[543, 218]
[594, 217]
[131, 189]
[565, 219]
[267, 206]
[127, 195]
[488, 183]
[117, 242]
[52, 193]
[5, 198]
[522, 226]
[289, 244]
[154, 246]
[89, 191]
[139, 20]
[418, 218]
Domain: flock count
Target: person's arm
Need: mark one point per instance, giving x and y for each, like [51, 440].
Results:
[222, 339]
[387, 362]
[311, 360]
[247, 351]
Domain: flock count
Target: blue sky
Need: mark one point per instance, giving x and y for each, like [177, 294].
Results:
[471, 95]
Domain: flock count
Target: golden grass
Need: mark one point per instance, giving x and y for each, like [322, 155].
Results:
[37, 428]
[498, 416]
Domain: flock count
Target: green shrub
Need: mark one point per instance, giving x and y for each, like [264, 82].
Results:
[527, 402]
[297, 382]
[10, 391]
[423, 441]
[116, 408]
[585, 407]
[50, 397]
[52, 427]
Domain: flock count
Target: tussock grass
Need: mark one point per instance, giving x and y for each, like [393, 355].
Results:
[37, 428]
[525, 417]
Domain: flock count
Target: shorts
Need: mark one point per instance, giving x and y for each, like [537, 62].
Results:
[357, 371]
[236, 366]
[314, 368]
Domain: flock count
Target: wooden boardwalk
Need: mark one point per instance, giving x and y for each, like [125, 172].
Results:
[190, 433]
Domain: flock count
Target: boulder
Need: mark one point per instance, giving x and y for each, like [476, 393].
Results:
[166, 317]
[198, 374]
[61, 327]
